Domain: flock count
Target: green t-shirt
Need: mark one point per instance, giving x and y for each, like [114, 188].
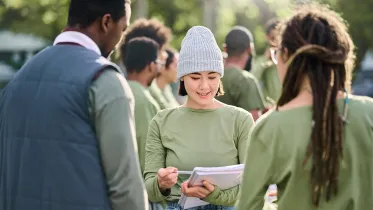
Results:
[241, 89]
[186, 138]
[278, 147]
[164, 97]
[266, 73]
[145, 109]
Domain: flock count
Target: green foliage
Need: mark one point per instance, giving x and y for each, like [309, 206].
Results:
[179, 15]
[46, 18]
[360, 19]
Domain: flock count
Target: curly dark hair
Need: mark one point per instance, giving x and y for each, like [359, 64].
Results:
[150, 28]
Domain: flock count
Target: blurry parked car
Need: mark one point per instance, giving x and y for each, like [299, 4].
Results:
[363, 83]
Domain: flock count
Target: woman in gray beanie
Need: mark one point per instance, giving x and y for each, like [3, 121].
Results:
[202, 132]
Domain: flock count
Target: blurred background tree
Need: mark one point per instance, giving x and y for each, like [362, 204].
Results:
[360, 19]
[46, 18]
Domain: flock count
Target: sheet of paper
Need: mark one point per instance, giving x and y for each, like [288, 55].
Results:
[224, 177]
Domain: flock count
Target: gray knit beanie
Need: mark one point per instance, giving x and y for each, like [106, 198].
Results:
[199, 52]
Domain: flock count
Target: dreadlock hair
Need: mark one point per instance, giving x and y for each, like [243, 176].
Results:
[320, 48]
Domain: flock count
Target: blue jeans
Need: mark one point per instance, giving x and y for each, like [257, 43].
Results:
[155, 206]
[176, 206]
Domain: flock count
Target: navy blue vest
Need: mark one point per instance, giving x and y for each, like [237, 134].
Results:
[49, 155]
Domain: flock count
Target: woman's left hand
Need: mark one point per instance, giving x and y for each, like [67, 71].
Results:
[197, 191]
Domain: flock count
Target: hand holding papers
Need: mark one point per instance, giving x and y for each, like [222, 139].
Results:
[196, 191]
[223, 177]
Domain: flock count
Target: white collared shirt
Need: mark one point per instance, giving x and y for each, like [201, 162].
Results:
[79, 38]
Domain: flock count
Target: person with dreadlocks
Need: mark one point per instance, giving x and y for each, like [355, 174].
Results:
[317, 144]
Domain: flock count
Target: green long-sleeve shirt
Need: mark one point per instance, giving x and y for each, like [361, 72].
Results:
[169, 96]
[145, 109]
[266, 73]
[111, 107]
[242, 90]
[165, 97]
[186, 138]
[278, 147]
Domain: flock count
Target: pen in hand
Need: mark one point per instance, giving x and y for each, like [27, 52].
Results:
[184, 172]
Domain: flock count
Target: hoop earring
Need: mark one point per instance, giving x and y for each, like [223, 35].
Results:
[217, 93]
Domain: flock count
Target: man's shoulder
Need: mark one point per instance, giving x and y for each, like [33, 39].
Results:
[232, 74]
[239, 73]
[138, 90]
[108, 64]
[113, 83]
[142, 95]
[154, 90]
[249, 76]
[150, 100]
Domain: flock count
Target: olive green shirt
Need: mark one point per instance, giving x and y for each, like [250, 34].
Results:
[169, 96]
[165, 97]
[277, 149]
[186, 138]
[241, 89]
[111, 107]
[266, 73]
[145, 109]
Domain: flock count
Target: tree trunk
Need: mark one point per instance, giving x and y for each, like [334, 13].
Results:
[141, 8]
[210, 8]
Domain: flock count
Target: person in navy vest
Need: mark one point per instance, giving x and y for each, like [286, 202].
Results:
[67, 138]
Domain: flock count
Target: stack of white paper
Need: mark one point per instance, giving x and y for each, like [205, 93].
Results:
[271, 195]
[224, 177]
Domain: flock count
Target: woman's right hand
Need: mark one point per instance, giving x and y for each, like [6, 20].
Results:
[167, 178]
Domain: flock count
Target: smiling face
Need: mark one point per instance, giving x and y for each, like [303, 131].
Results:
[202, 87]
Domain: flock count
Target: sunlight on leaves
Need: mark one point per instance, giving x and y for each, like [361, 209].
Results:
[49, 17]
[45, 2]
[259, 36]
[252, 11]
[14, 3]
[226, 19]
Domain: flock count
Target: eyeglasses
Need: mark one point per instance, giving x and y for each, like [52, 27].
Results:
[274, 51]
[160, 64]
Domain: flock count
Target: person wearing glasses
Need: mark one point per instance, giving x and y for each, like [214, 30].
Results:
[160, 88]
[264, 69]
[142, 67]
[150, 28]
[317, 144]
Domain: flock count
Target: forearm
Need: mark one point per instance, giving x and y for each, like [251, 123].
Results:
[154, 160]
[226, 197]
[154, 193]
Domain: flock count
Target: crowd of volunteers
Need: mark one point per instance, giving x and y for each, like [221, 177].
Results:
[80, 132]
